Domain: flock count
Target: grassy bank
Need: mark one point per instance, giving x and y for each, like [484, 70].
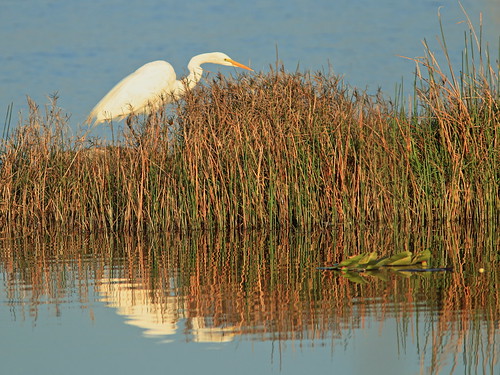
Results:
[271, 150]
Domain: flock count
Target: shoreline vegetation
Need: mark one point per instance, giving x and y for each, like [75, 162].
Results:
[276, 151]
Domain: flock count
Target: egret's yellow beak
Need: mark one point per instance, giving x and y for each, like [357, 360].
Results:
[235, 63]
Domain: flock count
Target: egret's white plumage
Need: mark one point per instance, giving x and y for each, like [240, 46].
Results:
[152, 85]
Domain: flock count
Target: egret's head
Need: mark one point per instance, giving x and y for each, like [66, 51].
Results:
[223, 59]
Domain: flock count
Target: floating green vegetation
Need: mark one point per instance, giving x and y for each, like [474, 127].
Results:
[370, 261]
[404, 262]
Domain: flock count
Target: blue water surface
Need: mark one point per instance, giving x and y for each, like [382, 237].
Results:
[92, 336]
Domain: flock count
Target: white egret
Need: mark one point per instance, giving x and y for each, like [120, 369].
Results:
[152, 85]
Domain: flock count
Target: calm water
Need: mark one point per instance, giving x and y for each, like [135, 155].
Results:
[80, 49]
[253, 304]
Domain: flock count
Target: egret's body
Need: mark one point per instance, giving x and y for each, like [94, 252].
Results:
[152, 85]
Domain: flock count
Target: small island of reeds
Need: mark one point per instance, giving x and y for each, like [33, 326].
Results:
[272, 150]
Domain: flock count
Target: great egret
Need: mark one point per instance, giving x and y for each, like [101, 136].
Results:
[153, 84]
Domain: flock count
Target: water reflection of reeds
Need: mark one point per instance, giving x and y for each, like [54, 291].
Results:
[266, 286]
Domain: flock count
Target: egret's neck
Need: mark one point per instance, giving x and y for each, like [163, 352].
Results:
[195, 72]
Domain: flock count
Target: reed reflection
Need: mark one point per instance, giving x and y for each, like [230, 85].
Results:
[255, 286]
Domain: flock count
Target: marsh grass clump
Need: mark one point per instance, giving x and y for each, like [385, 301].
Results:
[289, 150]
[272, 150]
[456, 135]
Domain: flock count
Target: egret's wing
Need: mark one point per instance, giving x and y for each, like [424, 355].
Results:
[146, 85]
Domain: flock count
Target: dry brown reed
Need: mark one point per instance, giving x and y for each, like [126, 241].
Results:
[272, 150]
